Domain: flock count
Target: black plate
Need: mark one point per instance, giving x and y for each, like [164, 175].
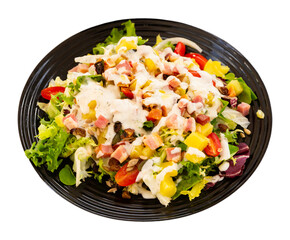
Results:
[93, 196]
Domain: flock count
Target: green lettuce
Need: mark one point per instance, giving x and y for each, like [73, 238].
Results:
[47, 150]
[247, 95]
[190, 174]
[66, 176]
[116, 35]
[72, 144]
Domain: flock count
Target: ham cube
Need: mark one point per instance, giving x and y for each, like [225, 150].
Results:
[124, 67]
[173, 154]
[104, 151]
[183, 103]
[244, 108]
[189, 125]
[173, 82]
[197, 99]
[120, 154]
[202, 119]
[101, 122]
[81, 67]
[153, 141]
[70, 121]
[172, 121]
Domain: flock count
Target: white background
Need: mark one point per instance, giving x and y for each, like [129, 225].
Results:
[258, 29]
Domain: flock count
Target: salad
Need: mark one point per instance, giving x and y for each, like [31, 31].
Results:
[159, 121]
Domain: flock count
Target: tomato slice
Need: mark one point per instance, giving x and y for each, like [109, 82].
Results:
[47, 92]
[214, 147]
[154, 115]
[127, 92]
[124, 178]
[201, 60]
[194, 73]
[180, 49]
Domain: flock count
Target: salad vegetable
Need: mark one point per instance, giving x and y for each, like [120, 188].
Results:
[156, 121]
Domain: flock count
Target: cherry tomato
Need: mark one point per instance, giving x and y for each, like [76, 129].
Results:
[124, 178]
[154, 115]
[180, 49]
[194, 73]
[214, 147]
[127, 92]
[201, 60]
[47, 92]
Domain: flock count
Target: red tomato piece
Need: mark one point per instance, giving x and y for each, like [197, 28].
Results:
[180, 49]
[194, 73]
[125, 178]
[154, 115]
[47, 92]
[201, 60]
[127, 92]
[214, 147]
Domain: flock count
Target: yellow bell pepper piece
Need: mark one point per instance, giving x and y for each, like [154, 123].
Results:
[234, 88]
[196, 140]
[136, 151]
[126, 45]
[215, 67]
[58, 120]
[150, 65]
[205, 129]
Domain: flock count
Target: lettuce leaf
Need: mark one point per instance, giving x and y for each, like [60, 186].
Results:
[47, 151]
[66, 176]
[72, 144]
[116, 35]
[190, 174]
[196, 190]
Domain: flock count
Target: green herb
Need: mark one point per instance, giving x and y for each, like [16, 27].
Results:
[148, 125]
[66, 176]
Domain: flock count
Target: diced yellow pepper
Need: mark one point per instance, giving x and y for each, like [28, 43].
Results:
[136, 151]
[167, 187]
[92, 104]
[180, 91]
[205, 129]
[58, 120]
[125, 45]
[150, 65]
[102, 137]
[196, 140]
[234, 88]
[147, 152]
[215, 67]
[193, 158]
[91, 115]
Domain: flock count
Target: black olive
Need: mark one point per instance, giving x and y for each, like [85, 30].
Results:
[117, 126]
[100, 67]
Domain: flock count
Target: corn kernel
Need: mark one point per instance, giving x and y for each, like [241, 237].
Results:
[260, 114]
[150, 65]
[58, 120]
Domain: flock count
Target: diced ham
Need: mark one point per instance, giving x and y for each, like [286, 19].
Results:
[81, 67]
[167, 69]
[182, 103]
[197, 99]
[244, 108]
[101, 122]
[172, 121]
[104, 150]
[153, 141]
[173, 82]
[124, 67]
[173, 154]
[120, 154]
[70, 121]
[202, 119]
[189, 125]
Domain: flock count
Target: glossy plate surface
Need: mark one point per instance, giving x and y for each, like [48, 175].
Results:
[91, 195]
